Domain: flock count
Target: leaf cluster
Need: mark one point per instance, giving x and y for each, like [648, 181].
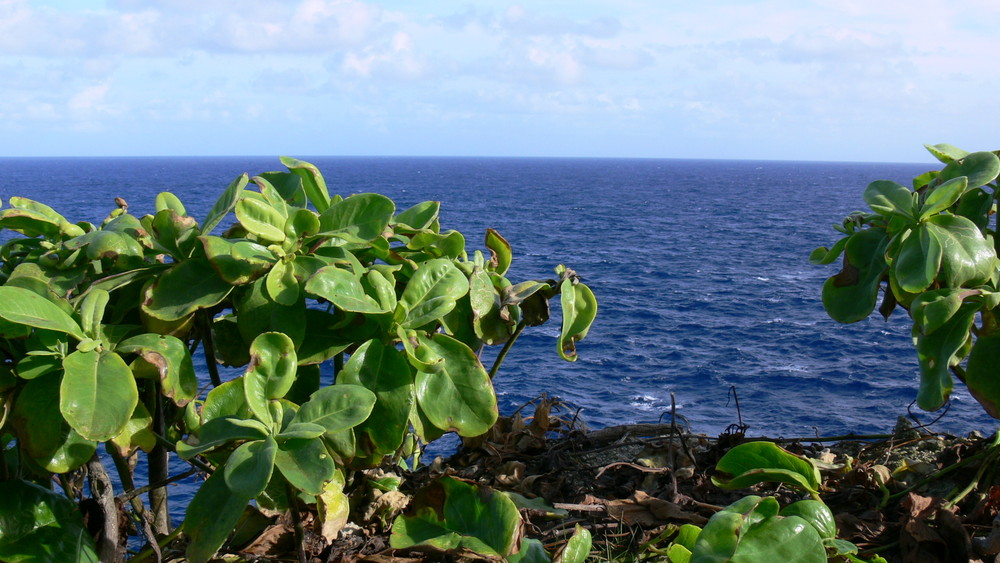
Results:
[932, 250]
[99, 325]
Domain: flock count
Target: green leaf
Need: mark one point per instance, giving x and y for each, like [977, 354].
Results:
[92, 311]
[943, 197]
[337, 407]
[500, 252]
[432, 292]
[97, 394]
[763, 462]
[42, 433]
[933, 309]
[183, 289]
[237, 262]
[781, 539]
[531, 551]
[167, 200]
[459, 396]
[359, 218]
[40, 526]
[451, 515]
[173, 233]
[579, 309]
[300, 431]
[249, 467]
[979, 167]
[982, 373]
[226, 400]
[301, 223]
[220, 431]
[420, 216]
[306, 464]
[172, 361]
[383, 370]
[967, 258]
[260, 219]
[343, 289]
[312, 182]
[850, 295]
[272, 364]
[945, 152]
[226, 203]
[577, 549]
[936, 351]
[890, 198]
[138, 433]
[23, 306]
[816, 513]
[211, 517]
[281, 284]
[919, 259]
[824, 255]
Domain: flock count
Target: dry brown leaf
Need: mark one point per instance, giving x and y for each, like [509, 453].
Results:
[645, 510]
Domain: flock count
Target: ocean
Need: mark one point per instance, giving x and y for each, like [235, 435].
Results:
[700, 268]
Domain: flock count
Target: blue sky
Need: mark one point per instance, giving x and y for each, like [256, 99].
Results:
[768, 79]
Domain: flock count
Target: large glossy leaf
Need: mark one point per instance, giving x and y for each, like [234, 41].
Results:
[944, 196]
[272, 367]
[306, 464]
[359, 218]
[459, 396]
[337, 407]
[260, 219]
[432, 292]
[249, 467]
[312, 182]
[946, 153]
[343, 289]
[890, 198]
[237, 262]
[451, 514]
[420, 216]
[40, 526]
[226, 203]
[220, 431]
[933, 309]
[967, 258]
[281, 284]
[818, 515]
[42, 433]
[850, 295]
[383, 370]
[763, 462]
[23, 306]
[172, 361]
[211, 517]
[185, 288]
[92, 311]
[258, 313]
[174, 233]
[982, 373]
[579, 309]
[919, 259]
[978, 167]
[97, 394]
[935, 352]
[225, 400]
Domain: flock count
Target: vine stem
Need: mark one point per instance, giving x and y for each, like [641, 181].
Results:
[505, 349]
[300, 534]
[205, 320]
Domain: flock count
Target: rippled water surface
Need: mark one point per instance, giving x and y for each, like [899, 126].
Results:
[701, 269]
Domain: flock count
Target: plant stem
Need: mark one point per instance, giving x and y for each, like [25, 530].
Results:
[205, 320]
[300, 534]
[505, 349]
[159, 467]
[151, 550]
[101, 490]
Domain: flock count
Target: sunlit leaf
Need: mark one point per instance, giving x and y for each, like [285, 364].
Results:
[97, 394]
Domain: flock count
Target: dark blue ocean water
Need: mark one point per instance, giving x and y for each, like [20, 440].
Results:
[700, 267]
